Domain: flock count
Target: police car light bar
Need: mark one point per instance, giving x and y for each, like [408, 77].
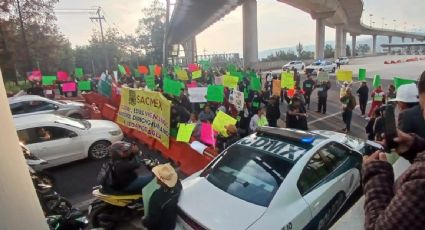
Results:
[290, 134]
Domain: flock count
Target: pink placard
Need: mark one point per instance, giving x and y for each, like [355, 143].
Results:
[34, 75]
[62, 76]
[192, 84]
[192, 67]
[207, 134]
[69, 87]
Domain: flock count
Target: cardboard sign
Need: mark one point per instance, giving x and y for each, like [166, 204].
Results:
[196, 74]
[207, 134]
[192, 84]
[84, 85]
[48, 80]
[143, 69]
[255, 84]
[221, 120]
[236, 98]
[121, 69]
[277, 88]
[150, 82]
[215, 93]
[185, 132]
[400, 81]
[322, 76]
[362, 74]
[182, 75]
[172, 87]
[219, 80]
[376, 81]
[197, 95]
[230, 81]
[192, 67]
[79, 72]
[157, 70]
[69, 87]
[287, 80]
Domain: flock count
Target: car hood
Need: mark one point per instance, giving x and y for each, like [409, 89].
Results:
[213, 208]
[72, 103]
[103, 126]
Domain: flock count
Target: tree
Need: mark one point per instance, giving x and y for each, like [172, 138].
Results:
[363, 48]
[151, 29]
[347, 51]
[300, 49]
[329, 51]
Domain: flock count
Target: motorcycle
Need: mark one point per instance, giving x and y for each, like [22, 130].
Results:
[113, 207]
[73, 220]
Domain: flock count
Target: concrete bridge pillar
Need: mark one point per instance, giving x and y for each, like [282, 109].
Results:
[374, 44]
[320, 32]
[338, 39]
[390, 40]
[189, 47]
[250, 33]
[344, 44]
[353, 45]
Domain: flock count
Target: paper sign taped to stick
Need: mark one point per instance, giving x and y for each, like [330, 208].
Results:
[185, 132]
[146, 111]
[84, 85]
[344, 75]
[69, 87]
[287, 80]
[230, 81]
[48, 80]
[322, 76]
[198, 94]
[237, 99]
[221, 120]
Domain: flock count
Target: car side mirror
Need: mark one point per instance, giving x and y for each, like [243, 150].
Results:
[72, 134]
[55, 107]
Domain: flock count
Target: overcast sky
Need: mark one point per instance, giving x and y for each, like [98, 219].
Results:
[279, 25]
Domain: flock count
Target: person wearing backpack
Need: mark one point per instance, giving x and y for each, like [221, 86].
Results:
[124, 168]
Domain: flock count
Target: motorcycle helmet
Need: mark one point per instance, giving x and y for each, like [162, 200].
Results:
[119, 149]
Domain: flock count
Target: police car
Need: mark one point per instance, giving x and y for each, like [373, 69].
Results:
[274, 179]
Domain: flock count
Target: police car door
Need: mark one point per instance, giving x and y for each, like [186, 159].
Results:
[323, 185]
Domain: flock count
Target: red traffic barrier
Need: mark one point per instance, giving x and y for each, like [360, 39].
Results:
[145, 139]
[109, 112]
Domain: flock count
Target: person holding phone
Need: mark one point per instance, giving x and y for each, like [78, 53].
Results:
[399, 204]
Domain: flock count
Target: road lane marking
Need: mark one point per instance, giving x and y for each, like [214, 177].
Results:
[333, 115]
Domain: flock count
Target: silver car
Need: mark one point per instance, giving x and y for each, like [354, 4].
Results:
[31, 104]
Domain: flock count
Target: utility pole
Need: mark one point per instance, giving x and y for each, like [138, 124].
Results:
[100, 18]
[24, 38]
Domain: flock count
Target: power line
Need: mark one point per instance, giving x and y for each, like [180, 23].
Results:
[100, 18]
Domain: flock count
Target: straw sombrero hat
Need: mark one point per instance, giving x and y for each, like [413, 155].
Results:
[166, 174]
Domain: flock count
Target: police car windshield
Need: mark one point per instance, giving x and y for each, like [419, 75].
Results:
[254, 168]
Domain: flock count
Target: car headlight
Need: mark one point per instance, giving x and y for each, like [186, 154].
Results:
[115, 132]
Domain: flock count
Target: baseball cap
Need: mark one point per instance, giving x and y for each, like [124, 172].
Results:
[407, 93]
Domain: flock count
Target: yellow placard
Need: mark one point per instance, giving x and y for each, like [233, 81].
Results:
[196, 74]
[221, 120]
[185, 132]
[287, 80]
[230, 81]
[182, 74]
[146, 111]
[344, 75]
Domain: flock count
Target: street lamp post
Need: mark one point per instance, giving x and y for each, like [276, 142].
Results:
[395, 21]
[371, 15]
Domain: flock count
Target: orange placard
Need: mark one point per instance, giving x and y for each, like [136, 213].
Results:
[143, 69]
[157, 70]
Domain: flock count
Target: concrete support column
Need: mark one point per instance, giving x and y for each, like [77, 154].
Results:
[374, 45]
[320, 39]
[344, 44]
[353, 45]
[250, 33]
[20, 208]
[390, 40]
[338, 39]
[190, 50]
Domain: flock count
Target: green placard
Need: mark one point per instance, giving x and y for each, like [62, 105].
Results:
[84, 85]
[398, 81]
[362, 74]
[150, 82]
[172, 87]
[152, 70]
[105, 88]
[48, 80]
[236, 74]
[79, 72]
[205, 65]
[121, 69]
[377, 81]
[136, 73]
[255, 84]
[215, 93]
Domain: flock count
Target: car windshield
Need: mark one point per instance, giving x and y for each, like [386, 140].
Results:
[77, 123]
[252, 174]
[317, 63]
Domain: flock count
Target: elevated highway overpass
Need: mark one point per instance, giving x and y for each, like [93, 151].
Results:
[190, 17]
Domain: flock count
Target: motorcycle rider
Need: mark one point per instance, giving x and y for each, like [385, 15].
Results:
[125, 177]
[162, 213]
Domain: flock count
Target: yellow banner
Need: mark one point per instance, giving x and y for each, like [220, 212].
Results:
[146, 111]
[344, 75]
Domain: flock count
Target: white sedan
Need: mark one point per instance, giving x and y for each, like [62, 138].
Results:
[60, 140]
[274, 179]
[320, 66]
[299, 65]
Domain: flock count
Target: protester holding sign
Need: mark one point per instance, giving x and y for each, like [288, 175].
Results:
[308, 86]
[259, 119]
[378, 98]
[207, 114]
[322, 93]
[349, 103]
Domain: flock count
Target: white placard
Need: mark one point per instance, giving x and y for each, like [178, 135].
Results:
[218, 80]
[237, 98]
[198, 147]
[197, 95]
